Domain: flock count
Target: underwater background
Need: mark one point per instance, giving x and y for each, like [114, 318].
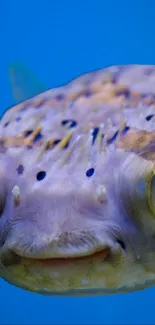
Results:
[58, 40]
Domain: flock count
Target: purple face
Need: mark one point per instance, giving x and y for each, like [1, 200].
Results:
[68, 239]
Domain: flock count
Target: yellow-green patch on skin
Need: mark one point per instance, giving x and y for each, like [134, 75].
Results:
[73, 282]
[151, 202]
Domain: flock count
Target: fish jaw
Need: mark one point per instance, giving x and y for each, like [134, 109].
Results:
[98, 274]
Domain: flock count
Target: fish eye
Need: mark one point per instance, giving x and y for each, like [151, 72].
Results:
[121, 243]
[151, 192]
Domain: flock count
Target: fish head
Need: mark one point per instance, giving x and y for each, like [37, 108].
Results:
[77, 240]
[77, 217]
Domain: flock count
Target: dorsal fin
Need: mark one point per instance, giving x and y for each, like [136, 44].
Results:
[24, 84]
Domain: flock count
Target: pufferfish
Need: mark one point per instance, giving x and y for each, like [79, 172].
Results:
[77, 186]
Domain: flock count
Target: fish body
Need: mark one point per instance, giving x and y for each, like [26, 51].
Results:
[77, 212]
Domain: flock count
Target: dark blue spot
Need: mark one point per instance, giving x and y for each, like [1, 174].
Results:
[18, 119]
[71, 123]
[6, 124]
[88, 93]
[149, 117]
[38, 137]
[56, 142]
[125, 130]
[94, 134]
[126, 93]
[64, 122]
[111, 140]
[27, 133]
[41, 175]
[20, 169]
[51, 145]
[60, 97]
[90, 172]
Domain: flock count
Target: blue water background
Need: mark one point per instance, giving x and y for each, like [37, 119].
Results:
[58, 40]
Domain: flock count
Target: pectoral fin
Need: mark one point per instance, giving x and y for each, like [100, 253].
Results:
[24, 84]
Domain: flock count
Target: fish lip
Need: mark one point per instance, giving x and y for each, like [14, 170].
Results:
[10, 258]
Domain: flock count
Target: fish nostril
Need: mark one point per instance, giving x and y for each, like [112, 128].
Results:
[10, 258]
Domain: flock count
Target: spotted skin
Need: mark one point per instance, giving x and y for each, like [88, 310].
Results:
[80, 158]
[105, 96]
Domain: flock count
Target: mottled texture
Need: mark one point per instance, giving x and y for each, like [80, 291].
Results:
[80, 158]
[110, 97]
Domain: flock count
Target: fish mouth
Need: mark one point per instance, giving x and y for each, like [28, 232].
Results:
[40, 276]
[11, 258]
[64, 276]
[51, 275]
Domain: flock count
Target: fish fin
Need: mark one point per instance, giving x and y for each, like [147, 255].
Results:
[24, 84]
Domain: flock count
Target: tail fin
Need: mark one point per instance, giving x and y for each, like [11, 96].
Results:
[23, 83]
